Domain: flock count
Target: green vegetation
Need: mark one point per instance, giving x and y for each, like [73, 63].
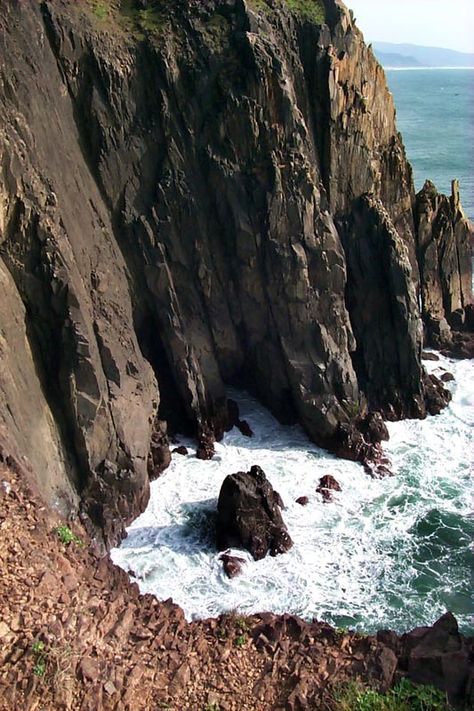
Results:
[66, 536]
[313, 10]
[242, 628]
[39, 650]
[212, 707]
[240, 640]
[100, 10]
[403, 697]
[125, 16]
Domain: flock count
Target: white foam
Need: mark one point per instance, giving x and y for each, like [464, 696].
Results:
[391, 553]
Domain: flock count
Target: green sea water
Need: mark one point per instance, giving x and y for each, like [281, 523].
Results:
[435, 115]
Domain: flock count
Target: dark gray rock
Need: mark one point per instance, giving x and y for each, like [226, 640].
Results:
[249, 517]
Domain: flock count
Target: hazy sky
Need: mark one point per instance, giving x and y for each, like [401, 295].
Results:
[437, 23]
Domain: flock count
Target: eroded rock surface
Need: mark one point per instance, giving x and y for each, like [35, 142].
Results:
[444, 242]
[249, 516]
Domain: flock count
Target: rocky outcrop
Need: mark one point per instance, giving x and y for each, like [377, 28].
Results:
[327, 485]
[232, 564]
[219, 195]
[439, 656]
[444, 238]
[249, 516]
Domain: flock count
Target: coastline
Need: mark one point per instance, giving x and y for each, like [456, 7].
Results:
[414, 69]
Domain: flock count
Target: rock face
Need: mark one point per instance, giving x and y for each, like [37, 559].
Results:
[437, 655]
[218, 195]
[248, 515]
[444, 240]
[327, 485]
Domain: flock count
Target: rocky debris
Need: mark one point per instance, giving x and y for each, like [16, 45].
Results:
[206, 439]
[160, 456]
[436, 395]
[351, 444]
[249, 517]
[235, 421]
[180, 450]
[302, 501]
[327, 485]
[447, 377]
[444, 247]
[374, 428]
[232, 564]
[461, 345]
[439, 656]
[107, 647]
[428, 355]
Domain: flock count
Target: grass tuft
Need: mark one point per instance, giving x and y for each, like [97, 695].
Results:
[66, 536]
[403, 697]
[313, 10]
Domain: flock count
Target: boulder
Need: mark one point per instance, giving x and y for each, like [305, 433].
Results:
[206, 441]
[428, 355]
[245, 428]
[302, 501]
[447, 377]
[374, 428]
[328, 484]
[180, 450]
[439, 656]
[436, 396]
[249, 516]
[159, 457]
[232, 564]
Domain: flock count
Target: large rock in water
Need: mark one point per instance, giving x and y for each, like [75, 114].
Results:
[248, 515]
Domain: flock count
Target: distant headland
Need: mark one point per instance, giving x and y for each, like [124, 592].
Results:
[412, 55]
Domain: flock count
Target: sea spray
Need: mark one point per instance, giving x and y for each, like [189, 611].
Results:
[386, 553]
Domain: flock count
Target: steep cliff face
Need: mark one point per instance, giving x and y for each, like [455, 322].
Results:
[194, 194]
[444, 244]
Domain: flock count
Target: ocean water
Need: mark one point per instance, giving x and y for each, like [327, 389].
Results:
[435, 115]
[386, 553]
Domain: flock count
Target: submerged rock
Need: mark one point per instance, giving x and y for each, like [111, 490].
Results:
[249, 517]
[206, 441]
[232, 564]
[327, 485]
[447, 377]
[180, 450]
[245, 428]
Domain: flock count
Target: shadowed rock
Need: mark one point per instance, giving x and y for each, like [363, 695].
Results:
[249, 517]
[232, 564]
[327, 485]
[180, 450]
